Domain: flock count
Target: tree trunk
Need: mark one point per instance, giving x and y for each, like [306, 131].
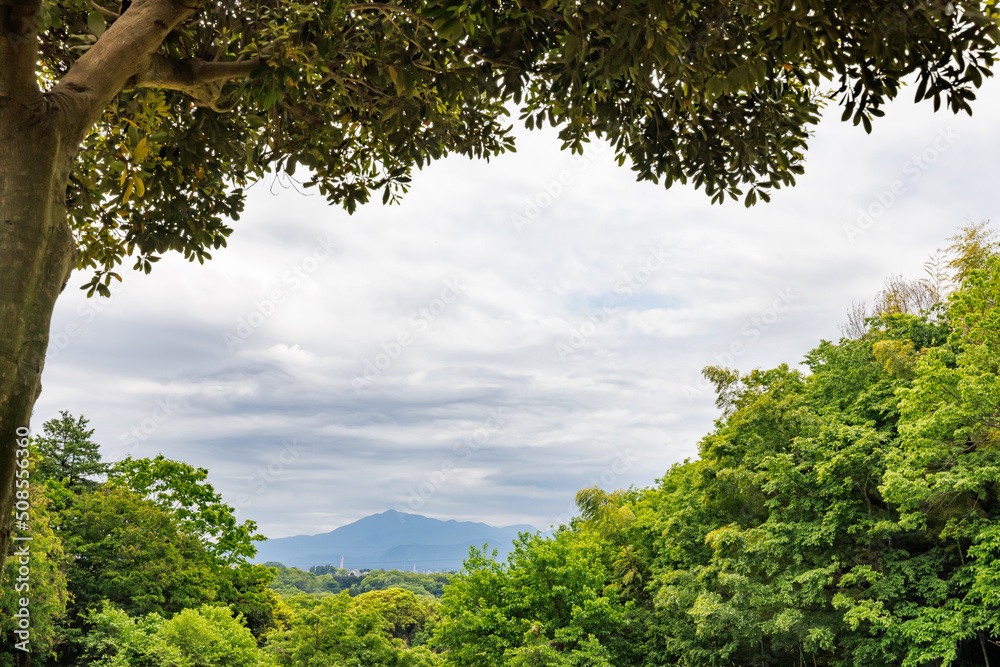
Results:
[37, 254]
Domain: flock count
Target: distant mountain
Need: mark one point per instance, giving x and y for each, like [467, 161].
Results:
[392, 540]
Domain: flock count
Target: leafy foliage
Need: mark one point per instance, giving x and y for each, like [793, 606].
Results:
[551, 604]
[203, 637]
[151, 542]
[844, 516]
[116, 639]
[338, 629]
[182, 490]
[406, 614]
[716, 93]
[171, 570]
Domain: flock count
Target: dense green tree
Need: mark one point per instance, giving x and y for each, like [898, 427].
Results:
[340, 630]
[154, 539]
[206, 636]
[407, 615]
[946, 475]
[157, 538]
[549, 604]
[131, 552]
[132, 130]
[183, 490]
[420, 584]
[246, 588]
[797, 548]
[116, 639]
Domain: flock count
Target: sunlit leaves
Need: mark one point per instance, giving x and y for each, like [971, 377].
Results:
[551, 604]
[198, 508]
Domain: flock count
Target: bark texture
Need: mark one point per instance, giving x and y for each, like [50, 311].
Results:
[37, 253]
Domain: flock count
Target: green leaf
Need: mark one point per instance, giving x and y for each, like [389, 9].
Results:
[96, 23]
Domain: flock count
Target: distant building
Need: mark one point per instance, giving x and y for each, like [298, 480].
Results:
[355, 573]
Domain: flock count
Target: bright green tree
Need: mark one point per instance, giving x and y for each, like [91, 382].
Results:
[245, 588]
[207, 636]
[946, 476]
[406, 614]
[184, 491]
[553, 602]
[116, 639]
[336, 630]
[158, 539]
[131, 552]
[197, 509]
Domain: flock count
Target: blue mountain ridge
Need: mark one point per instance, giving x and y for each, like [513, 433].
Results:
[392, 541]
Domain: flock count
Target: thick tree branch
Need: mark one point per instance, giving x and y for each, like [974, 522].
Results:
[199, 79]
[119, 55]
[185, 74]
[18, 49]
[107, 12]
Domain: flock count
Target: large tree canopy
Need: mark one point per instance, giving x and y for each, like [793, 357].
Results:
[130, 130]
[721, 93]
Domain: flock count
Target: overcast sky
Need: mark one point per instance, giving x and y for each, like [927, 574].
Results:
[513, 332]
